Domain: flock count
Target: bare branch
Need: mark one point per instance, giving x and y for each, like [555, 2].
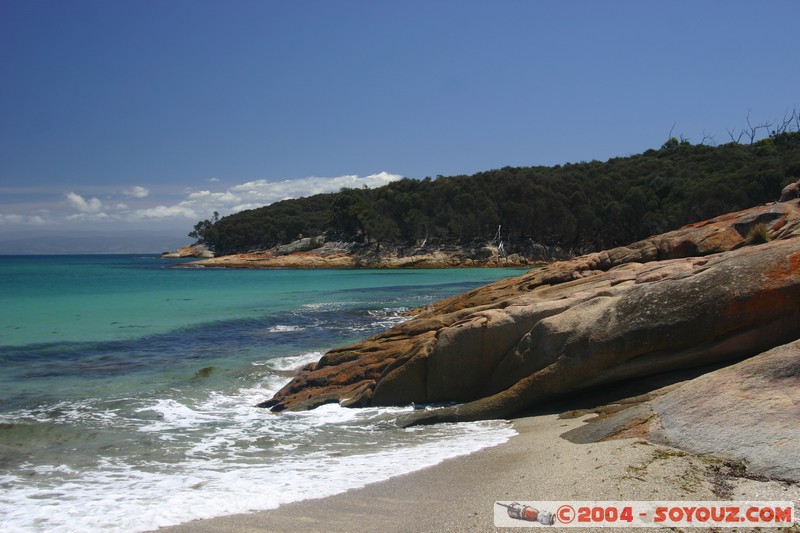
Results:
[707, 137]
[752, 129]
[735, 138]
[784, 124]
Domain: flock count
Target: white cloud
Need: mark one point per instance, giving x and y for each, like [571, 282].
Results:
[244, 207]
[139, 206]
[164, 211]
[264, 192]
[218, 197]
[257, 193]
[89, 216]
[12, 219]
[33, 220]
[137, 192]
[91, 206]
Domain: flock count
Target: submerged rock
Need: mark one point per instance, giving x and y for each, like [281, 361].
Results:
[691, 297]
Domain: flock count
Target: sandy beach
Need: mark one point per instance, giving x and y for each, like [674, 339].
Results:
[535, 465]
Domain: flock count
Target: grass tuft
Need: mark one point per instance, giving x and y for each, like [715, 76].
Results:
[758, 234]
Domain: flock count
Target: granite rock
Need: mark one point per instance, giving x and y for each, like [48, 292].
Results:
[687, 298]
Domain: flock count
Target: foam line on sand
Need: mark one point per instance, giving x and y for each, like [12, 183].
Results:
[537, 464]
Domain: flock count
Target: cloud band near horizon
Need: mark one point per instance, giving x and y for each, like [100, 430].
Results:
[141, 204]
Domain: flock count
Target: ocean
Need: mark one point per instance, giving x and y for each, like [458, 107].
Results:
[128, 389]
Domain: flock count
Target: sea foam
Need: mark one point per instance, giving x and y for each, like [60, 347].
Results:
[218, 455]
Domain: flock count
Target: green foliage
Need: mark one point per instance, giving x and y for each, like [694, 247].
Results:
[313, 243]
[671, 144]
[265, 227]
[578, 207]
[203, 229]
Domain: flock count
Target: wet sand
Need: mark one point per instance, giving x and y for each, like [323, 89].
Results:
[537, 464]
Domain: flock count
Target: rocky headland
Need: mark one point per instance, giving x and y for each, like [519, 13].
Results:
[307, 253]
[195, 250]
[707, 295]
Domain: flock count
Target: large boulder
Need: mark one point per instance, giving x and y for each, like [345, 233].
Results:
[746, 412]
[691, 297]
[790, 192]
[196, 250]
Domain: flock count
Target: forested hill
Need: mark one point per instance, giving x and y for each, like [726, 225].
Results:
[578, 207]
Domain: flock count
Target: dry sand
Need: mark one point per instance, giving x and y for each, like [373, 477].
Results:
[537, 464]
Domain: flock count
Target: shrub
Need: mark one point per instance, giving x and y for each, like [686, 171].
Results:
[758, 234]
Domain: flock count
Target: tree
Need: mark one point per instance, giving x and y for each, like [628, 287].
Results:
[752, 129]
[575, 206]
[670, 144]
[203, 228]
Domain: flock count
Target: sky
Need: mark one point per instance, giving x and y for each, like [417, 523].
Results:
[124, 122]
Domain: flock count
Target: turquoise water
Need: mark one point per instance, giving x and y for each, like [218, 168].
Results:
[127, 389]
[99, 298]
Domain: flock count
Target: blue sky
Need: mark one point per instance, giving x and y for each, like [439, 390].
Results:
[140, 117]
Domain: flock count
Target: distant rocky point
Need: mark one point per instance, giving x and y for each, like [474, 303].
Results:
[196, 250]
[316, 253]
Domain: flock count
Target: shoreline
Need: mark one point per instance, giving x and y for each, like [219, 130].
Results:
[297, 262]
[301, 255]
[537, 464]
